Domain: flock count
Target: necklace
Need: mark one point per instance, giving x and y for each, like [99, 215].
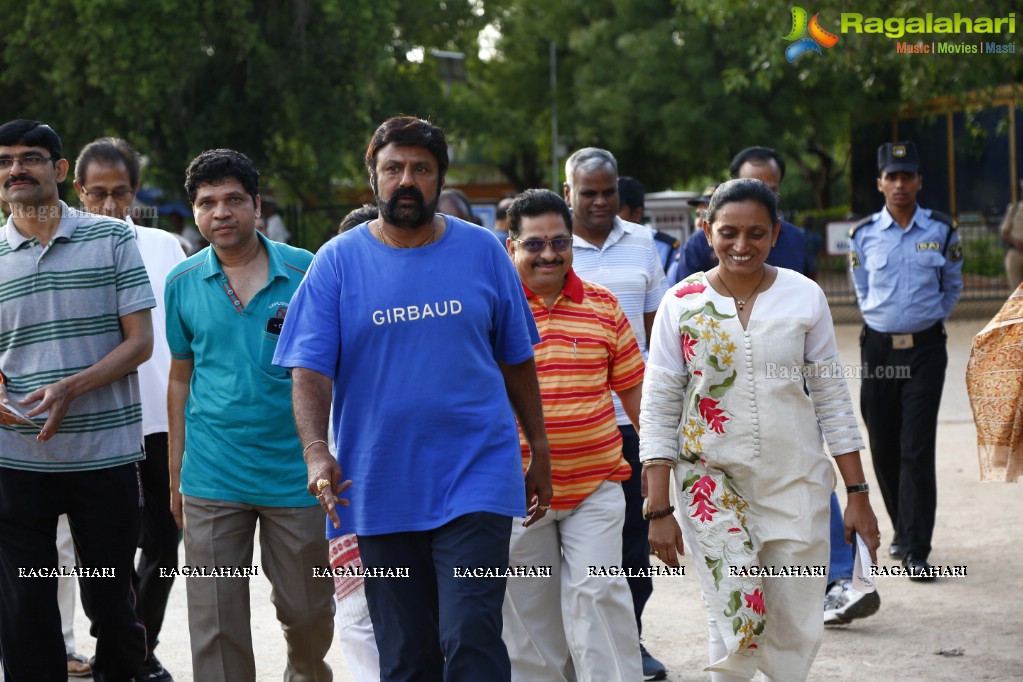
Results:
[384, 237]
[741, 303]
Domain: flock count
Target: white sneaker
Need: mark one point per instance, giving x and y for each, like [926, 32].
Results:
[843, 604]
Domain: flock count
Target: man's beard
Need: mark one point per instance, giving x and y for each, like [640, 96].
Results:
[407, 217]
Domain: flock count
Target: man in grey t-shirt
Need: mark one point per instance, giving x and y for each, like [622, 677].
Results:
[74, 325]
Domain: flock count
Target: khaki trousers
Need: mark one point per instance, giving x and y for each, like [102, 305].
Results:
[221, 534]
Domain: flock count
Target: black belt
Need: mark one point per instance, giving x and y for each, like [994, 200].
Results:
[906, 341]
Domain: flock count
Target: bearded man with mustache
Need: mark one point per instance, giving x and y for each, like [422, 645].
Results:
[415, 327]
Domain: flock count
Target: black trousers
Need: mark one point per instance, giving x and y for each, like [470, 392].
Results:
[635, 546]
[104, 508]
[159, 541]
[437, 624]
[901, 414]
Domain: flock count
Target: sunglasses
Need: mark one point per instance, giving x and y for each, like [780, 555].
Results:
[537, 245]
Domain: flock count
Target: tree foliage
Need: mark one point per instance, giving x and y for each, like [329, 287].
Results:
[676, 87]
[673, 87]
[293, 84]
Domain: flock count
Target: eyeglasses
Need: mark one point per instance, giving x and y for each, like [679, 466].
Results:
[117, 194]
[27, 161]
[537, 245]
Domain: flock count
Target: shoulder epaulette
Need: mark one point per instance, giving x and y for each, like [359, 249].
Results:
[666, 238]
[866, 221]
[945, 218]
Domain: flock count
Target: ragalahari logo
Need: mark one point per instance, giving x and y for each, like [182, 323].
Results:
[818, 36]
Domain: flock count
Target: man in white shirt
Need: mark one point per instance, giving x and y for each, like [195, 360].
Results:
[106, 180]
[275, 227]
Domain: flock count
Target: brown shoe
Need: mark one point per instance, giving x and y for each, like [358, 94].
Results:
[78, 666]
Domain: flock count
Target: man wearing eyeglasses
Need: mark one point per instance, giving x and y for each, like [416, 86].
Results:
[74, 324]
[622, 257]
[106, 180]
[573, 619]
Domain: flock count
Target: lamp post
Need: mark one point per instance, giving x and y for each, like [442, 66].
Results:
[450, 67]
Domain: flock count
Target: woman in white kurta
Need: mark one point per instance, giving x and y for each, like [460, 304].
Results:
[724, 407]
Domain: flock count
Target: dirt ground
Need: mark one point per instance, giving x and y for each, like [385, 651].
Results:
[951, 629]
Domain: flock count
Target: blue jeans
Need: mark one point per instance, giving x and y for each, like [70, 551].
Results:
[841, 553]
[435, 624]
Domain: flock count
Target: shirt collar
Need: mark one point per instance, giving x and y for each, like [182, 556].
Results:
[886, 220]
[573, 288]
[619, 229]
[211, 266]
[65, 230]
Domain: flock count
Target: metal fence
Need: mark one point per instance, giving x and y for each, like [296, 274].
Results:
[984, 284]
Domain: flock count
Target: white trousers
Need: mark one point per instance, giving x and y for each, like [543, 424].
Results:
[359, 647]
[67, 595]
[718, 650]
[572, 626]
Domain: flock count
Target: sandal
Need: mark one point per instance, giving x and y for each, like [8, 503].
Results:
[78, 666]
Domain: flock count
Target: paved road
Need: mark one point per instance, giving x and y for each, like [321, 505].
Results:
[978, 615]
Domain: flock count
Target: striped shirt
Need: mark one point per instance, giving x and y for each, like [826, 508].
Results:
[60, 311]
[587, 349]
[628, 264]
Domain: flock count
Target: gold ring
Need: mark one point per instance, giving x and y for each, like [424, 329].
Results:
[656, 553]
[543, 507]
[321, 484]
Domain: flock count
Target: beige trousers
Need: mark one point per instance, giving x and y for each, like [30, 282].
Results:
[221, 534]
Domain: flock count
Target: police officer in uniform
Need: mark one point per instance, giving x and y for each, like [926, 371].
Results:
[906, 264]
[632, 198]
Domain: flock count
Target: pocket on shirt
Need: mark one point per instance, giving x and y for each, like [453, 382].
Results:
[875, 262]
[590, 350]
[929, 259]
[881, 279]
[267, 348]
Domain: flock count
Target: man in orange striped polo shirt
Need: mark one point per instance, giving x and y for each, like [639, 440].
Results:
[578, 622]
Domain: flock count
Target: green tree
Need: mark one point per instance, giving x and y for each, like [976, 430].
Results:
[676, 87]
[288, 83]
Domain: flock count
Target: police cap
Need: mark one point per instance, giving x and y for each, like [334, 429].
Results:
[895, 157]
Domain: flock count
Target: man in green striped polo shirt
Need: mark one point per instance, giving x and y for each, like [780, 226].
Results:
[74, 325]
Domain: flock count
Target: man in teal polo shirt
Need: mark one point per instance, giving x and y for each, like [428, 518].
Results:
[239, 459]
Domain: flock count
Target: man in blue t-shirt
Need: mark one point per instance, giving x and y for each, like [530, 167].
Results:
[768, 166]
[238, 461]
[416, 327]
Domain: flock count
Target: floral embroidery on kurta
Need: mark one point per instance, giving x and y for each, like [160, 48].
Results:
[716, 508]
